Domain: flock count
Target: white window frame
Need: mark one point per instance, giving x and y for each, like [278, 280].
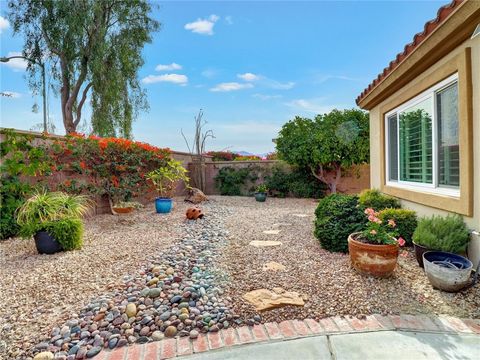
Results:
[434, 187]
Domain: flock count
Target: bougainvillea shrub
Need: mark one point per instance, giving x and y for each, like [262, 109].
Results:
[222, 155]
[113, 167]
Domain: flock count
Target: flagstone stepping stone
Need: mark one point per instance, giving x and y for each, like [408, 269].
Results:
[264, 299]
[258, 243]
[271, 232]
[301, 215]
[273, 266]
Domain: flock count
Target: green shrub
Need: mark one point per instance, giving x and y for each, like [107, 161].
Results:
[299, 183]
[57, 213]
[337, 216]
[442, 233]
[230, 181]
[68, 232]
[373, 198]
[12, 195]
[406, 221]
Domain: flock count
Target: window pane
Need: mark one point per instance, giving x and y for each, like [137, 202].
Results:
[448, 144]
[392, 148]
[416, 143]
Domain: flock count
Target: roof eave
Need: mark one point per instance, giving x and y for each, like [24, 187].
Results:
[454, 30]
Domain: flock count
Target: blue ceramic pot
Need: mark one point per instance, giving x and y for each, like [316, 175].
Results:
[163, 205]
[260, 197]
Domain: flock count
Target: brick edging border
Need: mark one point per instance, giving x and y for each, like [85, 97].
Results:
[290, 329]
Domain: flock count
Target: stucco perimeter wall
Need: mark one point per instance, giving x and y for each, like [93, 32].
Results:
[102, 205]
[351, 182]
[376, 118]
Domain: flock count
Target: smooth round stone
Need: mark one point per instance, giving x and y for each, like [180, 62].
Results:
[183, 317]
[122, 342]
[186, 294]
[73, 350]
[193, 334]
[112, 343]
[165, 316]
[131, 310]
[157, 336]
[144, 331]
[153, 293]
[44, 355]
[175, 299]
[145, 292]
[170, 271]
[213, 328]
[170, 331]
[183, 305]
[142, 340]
[93, 351]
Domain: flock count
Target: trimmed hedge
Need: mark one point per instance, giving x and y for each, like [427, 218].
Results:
[373, 198]
[337, 216]
[405, 219]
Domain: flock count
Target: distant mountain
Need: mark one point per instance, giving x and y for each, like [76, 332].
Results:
[243, 153]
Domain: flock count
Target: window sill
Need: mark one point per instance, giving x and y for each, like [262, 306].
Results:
[454, 193]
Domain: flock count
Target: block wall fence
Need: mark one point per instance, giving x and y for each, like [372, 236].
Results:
[354, 182]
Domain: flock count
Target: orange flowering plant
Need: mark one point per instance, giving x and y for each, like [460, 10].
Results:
[379, 232]
[113, 167]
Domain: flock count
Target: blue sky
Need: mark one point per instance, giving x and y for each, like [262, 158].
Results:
[251, 66]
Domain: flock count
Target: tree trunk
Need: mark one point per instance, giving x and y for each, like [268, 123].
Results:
[329, 180]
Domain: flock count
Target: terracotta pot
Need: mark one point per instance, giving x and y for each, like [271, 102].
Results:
[194, 214]
[123, 210]
[369, 259]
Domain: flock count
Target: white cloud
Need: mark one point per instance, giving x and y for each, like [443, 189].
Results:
[278, 85]
[4, 24]
[230, 86]
[203, 26]
[315, 106]
[229, 20]
[319, 79]
[266, 97]
[171, 78]
[168, 67]
[248, 76]
[12, 94]
[15, 64]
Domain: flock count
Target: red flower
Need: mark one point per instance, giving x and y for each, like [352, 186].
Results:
[83, 165]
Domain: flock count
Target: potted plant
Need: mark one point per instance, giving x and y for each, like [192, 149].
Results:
[449, 234]
[261, 192]
[54, 220]
[165, 179]
[374, 251]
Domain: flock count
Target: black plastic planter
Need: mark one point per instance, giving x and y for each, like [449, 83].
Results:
[46, 244]
[419, 250]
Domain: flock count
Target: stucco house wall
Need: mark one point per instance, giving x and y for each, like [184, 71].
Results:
[416, 200]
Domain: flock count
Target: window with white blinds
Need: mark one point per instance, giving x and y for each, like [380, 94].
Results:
[422, 142]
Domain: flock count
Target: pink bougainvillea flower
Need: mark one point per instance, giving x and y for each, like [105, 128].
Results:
[373, 232]
[369, 211]
[392, 223]
[401, 241]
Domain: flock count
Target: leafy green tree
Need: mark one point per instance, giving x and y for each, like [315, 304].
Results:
[93, 46]
[327, 144]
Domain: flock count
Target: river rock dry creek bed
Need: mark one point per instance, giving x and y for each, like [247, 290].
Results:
[145, 276]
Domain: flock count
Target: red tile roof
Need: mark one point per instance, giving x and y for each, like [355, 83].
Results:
[430, 26]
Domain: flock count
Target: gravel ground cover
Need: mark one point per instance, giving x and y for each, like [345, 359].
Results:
[142, 277]
[326, 279]
[37, 291]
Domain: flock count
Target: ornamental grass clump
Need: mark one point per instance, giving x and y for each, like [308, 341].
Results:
[57, 213]
[442, 233]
